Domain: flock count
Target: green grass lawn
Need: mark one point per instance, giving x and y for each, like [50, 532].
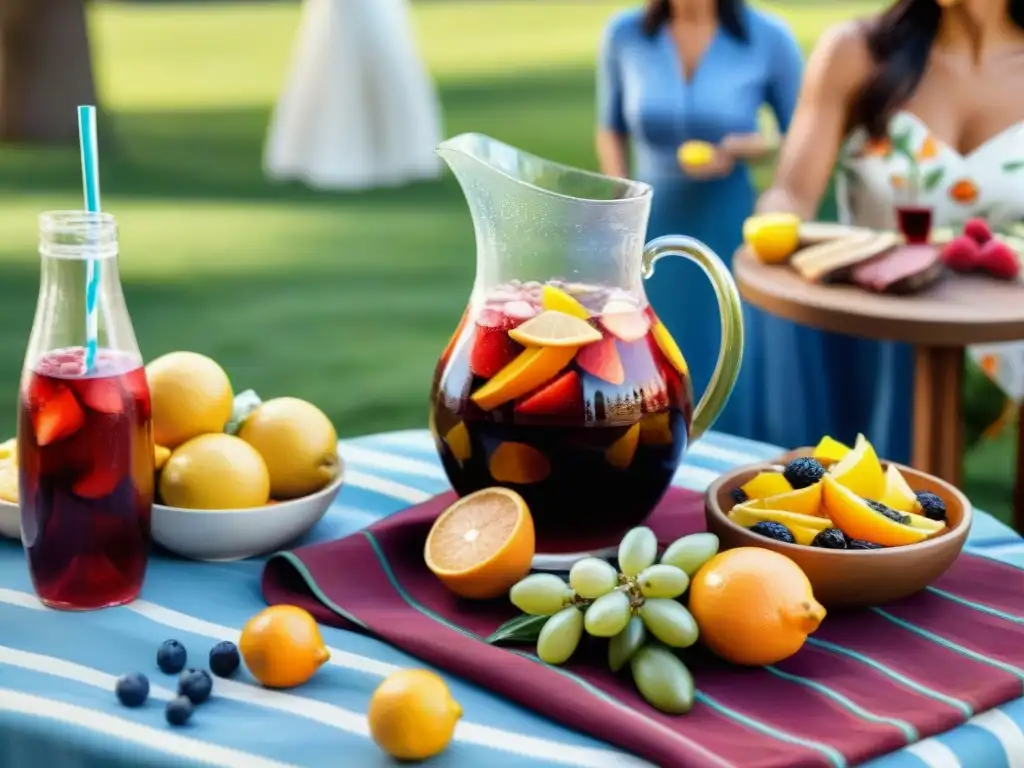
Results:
[345, 300]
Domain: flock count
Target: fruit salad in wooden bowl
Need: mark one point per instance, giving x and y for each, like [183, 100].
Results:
[865, 531]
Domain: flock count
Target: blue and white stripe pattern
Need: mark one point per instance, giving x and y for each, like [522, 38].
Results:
[57, 670]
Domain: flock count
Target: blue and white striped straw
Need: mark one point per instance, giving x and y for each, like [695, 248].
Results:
[91, 184]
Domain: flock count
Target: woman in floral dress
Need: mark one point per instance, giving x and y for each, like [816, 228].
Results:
[924, 91]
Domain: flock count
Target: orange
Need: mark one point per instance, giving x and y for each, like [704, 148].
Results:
[531, 368]
[830, 450]
[753, 606]
[559, 300]
[620, 453]
[191, 396]
[655, 428]
[459, 442]
[754, 512]
[898, 493]
[282, 647]
[518, 463]
[552, 328]
[482, 544]
[669, 348]
[764, 485]
[860, 470]
[854, 517]
[412, 715]
[806, 501]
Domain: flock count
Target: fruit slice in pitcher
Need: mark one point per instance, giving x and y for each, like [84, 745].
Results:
[56, 413]
[555, 329]
[102, 394]
[601, 359]
[529, 370]
[100, 481]
[518, 463]
[669, 348]
[656, 429]
[558, 300]
[457, 439]
[135, 383]
[563, 395]
[620, 453]
[624, 321]
[492, 349]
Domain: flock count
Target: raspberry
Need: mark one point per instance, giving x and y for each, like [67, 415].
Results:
[978, 231]
[999, 260]
[961, 254]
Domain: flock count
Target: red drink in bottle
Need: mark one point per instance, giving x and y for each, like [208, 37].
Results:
[85, 442]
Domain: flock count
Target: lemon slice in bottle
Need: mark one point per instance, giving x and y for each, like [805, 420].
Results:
[555, 329]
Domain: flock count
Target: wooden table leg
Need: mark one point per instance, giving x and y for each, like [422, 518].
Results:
[938, 444]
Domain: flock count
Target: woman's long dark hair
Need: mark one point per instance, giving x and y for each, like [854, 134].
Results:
[658, 12]
[900, 41]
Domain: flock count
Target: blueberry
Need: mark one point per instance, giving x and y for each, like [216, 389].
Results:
[132, 690]
[171, 657]
[861, 544]
[196, 684]
[776, 531]
[934, 508]
[803, 472]
[830, 538]
[738, 495]
[892, 514]
[224, 659]
[179, 710]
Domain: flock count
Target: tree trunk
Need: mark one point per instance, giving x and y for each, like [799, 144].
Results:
[45, 69]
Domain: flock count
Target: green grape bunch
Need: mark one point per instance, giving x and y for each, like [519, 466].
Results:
[635, 607]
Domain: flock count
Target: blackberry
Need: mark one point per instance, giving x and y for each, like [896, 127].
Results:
[171, 657]
[179, 710]
[932, 506]
[861, 544]
[738, 495]
[803, 472]
[892, 514]
[195, 684]
[776, 531]
[224, 659]
[830, 538]
[132, 690]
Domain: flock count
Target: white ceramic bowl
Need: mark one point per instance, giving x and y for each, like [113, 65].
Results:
[10, 520]
[234, 534]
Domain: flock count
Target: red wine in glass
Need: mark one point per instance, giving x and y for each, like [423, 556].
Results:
[915, 222]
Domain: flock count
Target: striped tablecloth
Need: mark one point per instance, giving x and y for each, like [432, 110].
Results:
[57, 670]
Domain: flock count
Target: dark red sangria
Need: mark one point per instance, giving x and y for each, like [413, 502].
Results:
[574, 395]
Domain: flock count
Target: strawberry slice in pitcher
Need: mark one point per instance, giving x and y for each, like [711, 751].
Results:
[492, 349]
[101, 393]
[563, 395]
[99, 482]
[601, 359]
[55, 412]
[134, 382]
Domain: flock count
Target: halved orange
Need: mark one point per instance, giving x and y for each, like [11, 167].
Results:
[482, 544]
[552, 328]
[560, 301]
[518, 463]
[532, 367]
[669, 348]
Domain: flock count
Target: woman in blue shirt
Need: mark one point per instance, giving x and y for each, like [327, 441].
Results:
[681, 70]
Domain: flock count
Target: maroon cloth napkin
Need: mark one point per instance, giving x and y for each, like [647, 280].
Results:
[867, 683]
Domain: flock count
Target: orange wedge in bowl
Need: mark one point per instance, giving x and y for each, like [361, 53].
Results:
[552, 328]
[482, 544]
[860, 471]
[855, 517]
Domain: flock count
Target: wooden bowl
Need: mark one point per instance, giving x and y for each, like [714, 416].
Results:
[852, 578]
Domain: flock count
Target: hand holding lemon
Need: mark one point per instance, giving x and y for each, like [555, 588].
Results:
[703, 160]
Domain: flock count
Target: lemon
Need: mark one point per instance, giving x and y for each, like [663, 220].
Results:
[773, 237]
[191, 396]
[860, 471]
[696, 153]
[282, 646]
[215, 472]
[553, 328]
[298, 443]
[829, 449]
[412, 715]
[160, 456]
[898, 493]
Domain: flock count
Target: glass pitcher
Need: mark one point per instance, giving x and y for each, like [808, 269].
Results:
[85, 442]
[560, 381]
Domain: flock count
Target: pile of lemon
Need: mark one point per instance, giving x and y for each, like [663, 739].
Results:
[9, 471]
[282, 449]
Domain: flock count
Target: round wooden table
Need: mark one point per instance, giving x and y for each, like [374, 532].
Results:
[938, 322]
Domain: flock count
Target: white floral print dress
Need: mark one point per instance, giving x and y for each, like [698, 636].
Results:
[988, 182]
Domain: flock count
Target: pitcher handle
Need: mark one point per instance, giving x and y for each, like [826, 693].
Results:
[730, 354]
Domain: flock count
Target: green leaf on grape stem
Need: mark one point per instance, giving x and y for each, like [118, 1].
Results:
[522, 629]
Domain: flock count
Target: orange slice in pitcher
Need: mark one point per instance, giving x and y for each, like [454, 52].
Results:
[533, 367]
[559, 301]
[655, 429]
[458, 442]
[669, 348]
[482, 544]
[518, 463]
[552, 328]
[620, 453]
